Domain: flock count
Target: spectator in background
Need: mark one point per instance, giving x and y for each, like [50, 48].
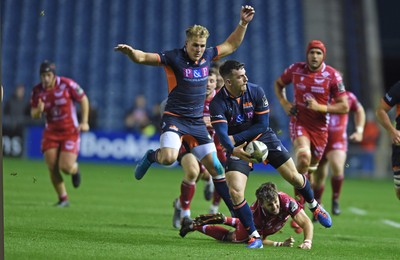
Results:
[220, 81]
[138, 117]
[55, 96]
[16, 112]
[390, 100]
[371, 133]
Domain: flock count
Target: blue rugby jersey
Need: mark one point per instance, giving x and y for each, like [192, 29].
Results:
[245, 117]
[187, 81]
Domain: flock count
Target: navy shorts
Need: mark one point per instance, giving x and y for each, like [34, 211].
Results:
[277, 155]
[187, 128]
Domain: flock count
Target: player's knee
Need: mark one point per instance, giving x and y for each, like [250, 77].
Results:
[167, 159]
[236, 195]
[66, 168]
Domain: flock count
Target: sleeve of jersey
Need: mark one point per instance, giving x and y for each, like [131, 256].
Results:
[392, 97]
[286, 76]
[220, 125]
[76, 91]
[261, 119]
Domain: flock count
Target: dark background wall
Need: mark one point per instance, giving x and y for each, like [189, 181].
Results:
[79, 36]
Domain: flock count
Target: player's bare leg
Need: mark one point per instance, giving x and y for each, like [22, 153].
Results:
[51, 159]
[337, 160]
[68, 165]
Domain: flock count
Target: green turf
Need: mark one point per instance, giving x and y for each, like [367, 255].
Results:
[113, 216]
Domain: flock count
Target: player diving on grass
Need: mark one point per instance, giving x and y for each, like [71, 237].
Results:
[270, 211]
[240, 114]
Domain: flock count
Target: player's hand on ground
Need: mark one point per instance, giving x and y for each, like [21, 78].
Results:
[306, 245]
[84, 127]
[289, 242]
[247, 14]
[124, 48]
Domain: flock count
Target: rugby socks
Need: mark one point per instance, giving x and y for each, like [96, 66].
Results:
[63, 197]
[222, 188]
[336, 182]
[152, 156]
[187, 193]
[217, 232]
[318, 193]
[308, 194]
[243, 212]
[216, 198]
[229, 221]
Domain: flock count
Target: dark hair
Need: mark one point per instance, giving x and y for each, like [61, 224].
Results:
[47, 66]
[213, 71]
[267, 192]
[226, 68]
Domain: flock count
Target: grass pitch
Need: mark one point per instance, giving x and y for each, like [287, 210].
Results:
[113, 216]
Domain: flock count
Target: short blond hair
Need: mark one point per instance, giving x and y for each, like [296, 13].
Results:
[197, 30]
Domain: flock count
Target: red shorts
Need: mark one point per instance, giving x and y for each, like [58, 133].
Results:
[318, 139]
[240, 235]
[336, 141]
[64, 142]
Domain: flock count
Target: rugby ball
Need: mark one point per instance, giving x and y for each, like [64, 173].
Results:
[258, 150]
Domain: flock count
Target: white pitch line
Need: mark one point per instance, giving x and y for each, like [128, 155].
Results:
[391, 223]
[358, 211]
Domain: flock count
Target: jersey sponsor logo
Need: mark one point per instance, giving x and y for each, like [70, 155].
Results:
[301, 86]
[58, 93]
[60, 101]
[319, 81]
[69, 145]
[195, 73]
[239, 119]
[316, 89]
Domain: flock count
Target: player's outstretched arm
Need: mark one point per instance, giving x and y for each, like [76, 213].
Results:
[139, 56]
[305, 223]
[288, 242]
[235, 39]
